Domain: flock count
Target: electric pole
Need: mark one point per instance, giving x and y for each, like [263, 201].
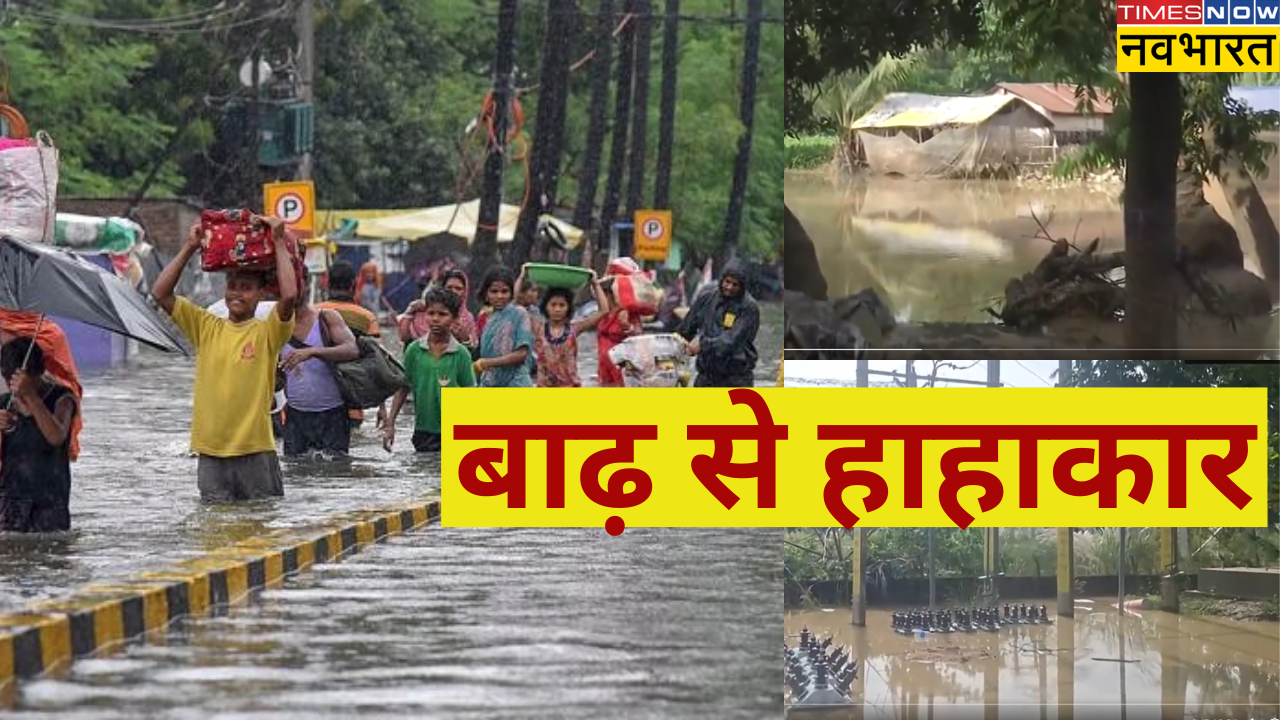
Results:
[306, 69]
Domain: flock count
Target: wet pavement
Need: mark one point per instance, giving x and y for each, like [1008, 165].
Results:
[1102, 663]
[456, 623]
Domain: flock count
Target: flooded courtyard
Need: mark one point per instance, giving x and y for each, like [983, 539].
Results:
[1102, 663]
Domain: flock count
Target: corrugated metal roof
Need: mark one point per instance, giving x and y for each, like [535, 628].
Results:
[1055, 98]
[920, 110]
[1259, 98]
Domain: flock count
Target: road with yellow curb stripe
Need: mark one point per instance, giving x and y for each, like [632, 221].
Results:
[49, 635]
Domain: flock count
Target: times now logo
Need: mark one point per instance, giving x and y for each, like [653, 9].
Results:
[1205, 12]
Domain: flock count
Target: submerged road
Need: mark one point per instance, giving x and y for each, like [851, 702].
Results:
[458, 623]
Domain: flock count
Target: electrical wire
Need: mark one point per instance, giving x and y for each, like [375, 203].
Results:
[217, 21]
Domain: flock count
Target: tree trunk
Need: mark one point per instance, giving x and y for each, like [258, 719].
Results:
[742, 165]
[621, 117]
[484, 251]
[1245, 200]
[584, 208]
[800, 270]
[639, 118]
[553, 95]
[1150, 209]
[667, 118]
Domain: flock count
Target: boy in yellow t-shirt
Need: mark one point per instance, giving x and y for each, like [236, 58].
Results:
[235, 373]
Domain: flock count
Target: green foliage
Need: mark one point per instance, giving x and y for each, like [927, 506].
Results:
[1169, 373]
[75, 83]
[832, 37]
[809, 151]
[397, 84]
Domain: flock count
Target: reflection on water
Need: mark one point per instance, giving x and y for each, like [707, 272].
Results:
[455, 623]
[942, 250]
[1102, 663]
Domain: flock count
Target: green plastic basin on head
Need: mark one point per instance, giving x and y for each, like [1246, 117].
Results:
[560, 276]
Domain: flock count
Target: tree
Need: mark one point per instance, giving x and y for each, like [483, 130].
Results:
[830, 37]
[667, 119]
[639, 115]
[553, 91]
[485, 251]
[621, 119]
[747, 110]
[1167, 373]
[596, 128]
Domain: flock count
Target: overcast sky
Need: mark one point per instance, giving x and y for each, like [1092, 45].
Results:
[1013, 373]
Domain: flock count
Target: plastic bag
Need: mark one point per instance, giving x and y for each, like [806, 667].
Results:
[652, 360]
[29, 190]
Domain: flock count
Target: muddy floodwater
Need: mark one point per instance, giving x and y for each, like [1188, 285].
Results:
[1102, 663]
[468, 624]
[942, 250]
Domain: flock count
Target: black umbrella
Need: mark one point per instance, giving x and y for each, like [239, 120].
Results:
[53, 281]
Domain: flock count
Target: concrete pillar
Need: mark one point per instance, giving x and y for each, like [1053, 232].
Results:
[933, 585]
[1066, 573]
[1065, 631]
[863, 373]
[1170, 578]
[859, 577]
[991, 564]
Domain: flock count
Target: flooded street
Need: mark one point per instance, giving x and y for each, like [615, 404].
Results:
[134, 502]
[942, 250]
[455, 623]
[1086, 667]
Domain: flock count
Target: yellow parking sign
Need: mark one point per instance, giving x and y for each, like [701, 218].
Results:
[653, 235]
[293, 202]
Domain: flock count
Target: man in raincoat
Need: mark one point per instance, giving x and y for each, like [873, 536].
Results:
[721, 327]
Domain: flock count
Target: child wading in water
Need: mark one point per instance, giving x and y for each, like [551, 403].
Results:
[507, 343]
[236, 362]
[434, 361]
[557, 336]
[35, 448]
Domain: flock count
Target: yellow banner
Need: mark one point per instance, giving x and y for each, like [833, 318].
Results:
[935, 457]
[1191, 48]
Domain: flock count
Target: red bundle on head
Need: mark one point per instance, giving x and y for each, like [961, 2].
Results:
[233, 241]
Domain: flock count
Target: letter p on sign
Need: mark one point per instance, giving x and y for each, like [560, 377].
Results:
[293, 202]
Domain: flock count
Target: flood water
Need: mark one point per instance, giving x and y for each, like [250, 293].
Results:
[467, 619]
[489, 623]
[134, 502]
[942, 250]
[1102, 663]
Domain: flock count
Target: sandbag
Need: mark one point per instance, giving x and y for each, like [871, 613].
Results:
[29, 189]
